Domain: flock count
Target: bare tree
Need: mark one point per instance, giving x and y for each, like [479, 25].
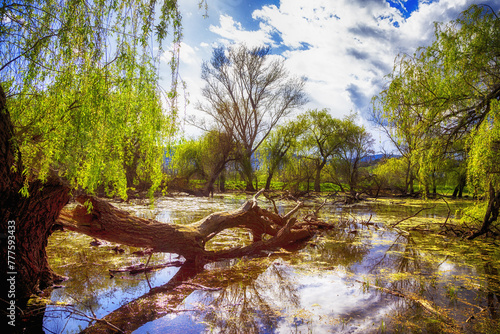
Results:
[247, 91]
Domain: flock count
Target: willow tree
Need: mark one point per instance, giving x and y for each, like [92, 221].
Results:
[247, 92]
[278, 148]
[323, 138]
[450, 92]
[399, 129]
[78, 84]
[204, 157]
[357, 146]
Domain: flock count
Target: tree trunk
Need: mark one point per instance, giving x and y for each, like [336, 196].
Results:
[30, 220]
[317, 178]
[218, 170]
[268, 181]
[461, 190]
[249, 185]
[409, 179]
[208, 189]
[222, 183]
[434, 184]
[247, 170]
[110, 223]
[491, 214]
[26, 222]
[461, 185]
[412, 189]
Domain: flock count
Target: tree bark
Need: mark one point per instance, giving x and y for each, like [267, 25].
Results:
[216, 173]
[462, 180]
[268, 180]
[222, 182]
[317, 179]
[208, 189]
[26, 222]
[491, 214]
[107, 222]
[249, 185]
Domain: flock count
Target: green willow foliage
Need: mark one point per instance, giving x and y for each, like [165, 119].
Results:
[447, 95]
[82, 84]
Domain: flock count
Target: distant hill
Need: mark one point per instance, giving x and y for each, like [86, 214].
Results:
[375, 158]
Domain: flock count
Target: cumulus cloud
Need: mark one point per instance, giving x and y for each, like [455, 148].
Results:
[189, 54]
[351, 43]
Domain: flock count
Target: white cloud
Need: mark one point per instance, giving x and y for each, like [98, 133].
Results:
[233, 32]
[189, 55]
[346, 47]
[339, 46]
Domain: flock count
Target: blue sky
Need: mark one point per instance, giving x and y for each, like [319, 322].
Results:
[345, 48]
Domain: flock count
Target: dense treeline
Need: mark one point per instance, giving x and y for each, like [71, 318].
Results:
[300, 155]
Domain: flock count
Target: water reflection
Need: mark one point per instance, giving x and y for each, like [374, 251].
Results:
[249, 305]
[332, 285]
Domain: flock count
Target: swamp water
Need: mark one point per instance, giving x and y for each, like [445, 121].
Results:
[357, 278]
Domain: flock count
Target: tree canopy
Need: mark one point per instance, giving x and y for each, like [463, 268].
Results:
[81, 80]
[80, 107]
[206, 156]
[279, 147]
[358, 144]
[449, 92]
[324, 137]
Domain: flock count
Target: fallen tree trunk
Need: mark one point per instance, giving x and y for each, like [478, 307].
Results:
[107, 222]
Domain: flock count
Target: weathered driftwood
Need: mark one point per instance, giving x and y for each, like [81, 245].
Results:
[104, 221]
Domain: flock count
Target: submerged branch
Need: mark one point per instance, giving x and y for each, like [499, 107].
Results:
[425, 304]
[141, 268]
[412, 216]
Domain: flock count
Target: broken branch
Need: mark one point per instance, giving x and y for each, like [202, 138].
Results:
[414, 215]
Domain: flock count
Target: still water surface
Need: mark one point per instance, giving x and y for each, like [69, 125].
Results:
[357, 278]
